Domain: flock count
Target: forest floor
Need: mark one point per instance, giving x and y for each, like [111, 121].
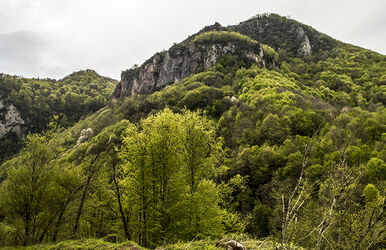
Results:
[248, 243]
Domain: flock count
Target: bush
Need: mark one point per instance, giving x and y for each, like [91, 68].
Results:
[223, 37]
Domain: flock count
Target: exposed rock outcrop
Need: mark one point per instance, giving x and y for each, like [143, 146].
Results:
[187, 58]
[179, 62]
[234, 245]
[286, 34]
[10, 120]
[305, 46]
[85, 134]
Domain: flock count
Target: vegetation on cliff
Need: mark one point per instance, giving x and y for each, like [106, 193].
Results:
[223, 37]
[39, 100]
[293, 154]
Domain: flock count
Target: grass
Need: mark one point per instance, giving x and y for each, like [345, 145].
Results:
[205, 244]
[81, 244]
[246, 241]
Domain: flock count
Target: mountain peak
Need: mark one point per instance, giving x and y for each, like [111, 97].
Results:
[190, 56]
[284, 33]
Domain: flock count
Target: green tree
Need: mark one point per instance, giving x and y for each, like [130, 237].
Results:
[26, 192]
[167, 157]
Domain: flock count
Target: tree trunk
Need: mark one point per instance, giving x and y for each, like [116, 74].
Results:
[80, 209]
[58, 222]
[144, 208]
[26, 228]
[118, 193]
[46, 229]
[60, 217]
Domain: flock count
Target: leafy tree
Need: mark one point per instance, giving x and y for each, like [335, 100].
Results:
[28, 189]
[167, 158]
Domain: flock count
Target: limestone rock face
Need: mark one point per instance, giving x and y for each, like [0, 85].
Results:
[179, 62]
[188, 58]
[305, 46]
[85, 134]
[285, 34]
[10, 120]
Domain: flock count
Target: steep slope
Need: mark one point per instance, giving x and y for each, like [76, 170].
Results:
[289, 147]
[288, 37]
[186, 59]
[27, 105]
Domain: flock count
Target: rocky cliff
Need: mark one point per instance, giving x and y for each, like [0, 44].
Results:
[10, 120]
[181, 61]
[187, 58]
[285, 34]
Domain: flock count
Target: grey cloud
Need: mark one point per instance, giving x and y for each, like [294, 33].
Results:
[20, 51]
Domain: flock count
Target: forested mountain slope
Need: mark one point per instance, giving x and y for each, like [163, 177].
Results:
[276, 138]
[27, 105]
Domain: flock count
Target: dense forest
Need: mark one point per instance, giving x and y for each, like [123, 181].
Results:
[291, 155]
[39, 100]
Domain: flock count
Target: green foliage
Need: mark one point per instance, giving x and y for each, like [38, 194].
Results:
[233, 224]
[208, 78]
[260, 225]
[281, 33]
[29, 190]
[39, 100]
[269, 54]
[224, 37]
[201, 97]
[376, 169]
[247, 242]
[78, 94]
[167, 158]
[84, 244]
[371, 193]
[312, 128]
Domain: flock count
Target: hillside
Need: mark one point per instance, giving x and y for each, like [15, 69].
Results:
[27, 105]
[266, 128]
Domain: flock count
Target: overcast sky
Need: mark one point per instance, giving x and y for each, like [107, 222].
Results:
[53, 38]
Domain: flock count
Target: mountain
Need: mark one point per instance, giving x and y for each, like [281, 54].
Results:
[265, 132]
[198, 53]
[28, 105]
[286, 34]
[186, 59]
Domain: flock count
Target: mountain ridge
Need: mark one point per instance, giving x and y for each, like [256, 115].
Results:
[28, 104]
[184, 60]
[300, 41]
[280, 149]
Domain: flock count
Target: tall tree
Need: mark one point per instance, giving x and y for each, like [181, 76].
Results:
[167, 158]
[29, 182]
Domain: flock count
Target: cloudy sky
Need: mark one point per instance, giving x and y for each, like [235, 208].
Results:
[53, 38]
